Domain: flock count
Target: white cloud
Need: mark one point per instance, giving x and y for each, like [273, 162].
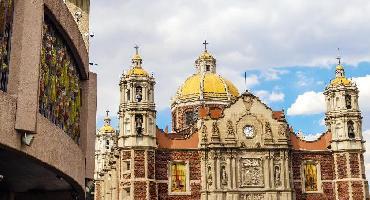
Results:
[269, 97]
[363, 84]
[312, 137]
[308, 103]
[243, 35]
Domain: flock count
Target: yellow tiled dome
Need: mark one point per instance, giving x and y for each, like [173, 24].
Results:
[138, 71]
[107, 129]
[209, 85]
[341, 80]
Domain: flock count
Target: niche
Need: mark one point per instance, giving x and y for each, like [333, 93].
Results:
[139, 124]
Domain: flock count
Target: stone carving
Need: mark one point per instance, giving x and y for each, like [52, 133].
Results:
[223, 176]
[283, 130]
[251, 173]
[268, 134]
[215, 132]
[248, 102]
[252, 197]
[277, 176]
[209, 176]
[230, 129]
[204, 132]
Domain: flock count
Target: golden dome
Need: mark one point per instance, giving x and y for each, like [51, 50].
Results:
[210, 86]
[340, 81]
[339, 67]
[138, 71]
[107, 129]
[205, 55]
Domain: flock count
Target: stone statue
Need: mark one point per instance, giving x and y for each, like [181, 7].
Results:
[223, 176]
[277, 176]
[139, 95]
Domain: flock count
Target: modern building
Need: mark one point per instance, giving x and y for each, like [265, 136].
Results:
[227, 145]
[47, 100]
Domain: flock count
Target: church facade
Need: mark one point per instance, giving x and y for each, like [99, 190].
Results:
[226, 145]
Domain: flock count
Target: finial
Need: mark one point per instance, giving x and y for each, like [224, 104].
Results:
[107, 111]
[205, 45]
[137, 49]
[338, 57]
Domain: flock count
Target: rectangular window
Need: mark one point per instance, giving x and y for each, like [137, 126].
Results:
[311, 177]
[179, 178]
[59, 82]
[6, 18]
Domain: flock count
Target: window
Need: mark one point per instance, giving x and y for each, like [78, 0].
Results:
[191, 117]
[139, 95]
[351, 129]
[311, 177]
[128, 94]
[139, 124]
[179, 177]
[348, 102]
[208, 68]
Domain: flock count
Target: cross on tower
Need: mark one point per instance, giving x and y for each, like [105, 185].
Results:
[338, 58]
[137, 48]
[107, 112]
[205, 45]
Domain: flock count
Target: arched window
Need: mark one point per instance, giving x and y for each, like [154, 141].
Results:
[128, 94]
[348, 102]
[351, 129]
[139, 95]
[139, 124]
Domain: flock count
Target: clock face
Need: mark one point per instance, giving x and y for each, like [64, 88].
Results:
[249, 131]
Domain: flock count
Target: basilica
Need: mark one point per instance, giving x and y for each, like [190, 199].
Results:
[226, 144]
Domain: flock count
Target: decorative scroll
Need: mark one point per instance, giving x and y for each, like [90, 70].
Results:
[310, 176]
[6, 18]
[178, 177]
[251, 173]
[60, 89]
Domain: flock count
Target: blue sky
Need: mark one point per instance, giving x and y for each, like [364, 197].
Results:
[287, 47]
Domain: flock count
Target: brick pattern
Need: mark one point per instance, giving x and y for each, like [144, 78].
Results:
[140, 190]
[342, 190]
[357, 190]
[151, 164]
[327, 173]
[139, 161]
[163, 157]
[354, 165]
[152, 190]
[163, 193]
[341, 166]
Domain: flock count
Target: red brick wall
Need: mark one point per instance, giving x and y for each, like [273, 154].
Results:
[139, 162]
[354, 165]
[163, 157]
[341, 166]
[140, 190]
[357, 190]
[342, 190]
[327, 173]
[152, 190]
[126, 155]
[151, 164]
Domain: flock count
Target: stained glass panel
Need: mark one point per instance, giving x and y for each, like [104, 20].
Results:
[6, 17]
[60, 88]
[310, 174]
[178, 177]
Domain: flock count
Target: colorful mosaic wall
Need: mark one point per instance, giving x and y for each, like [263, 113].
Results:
[60, 88]
[6, 16]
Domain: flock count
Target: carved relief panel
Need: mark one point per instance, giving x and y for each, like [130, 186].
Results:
[251, 172]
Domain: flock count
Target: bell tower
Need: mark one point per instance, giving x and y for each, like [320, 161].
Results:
[137, 137]
[344, 121]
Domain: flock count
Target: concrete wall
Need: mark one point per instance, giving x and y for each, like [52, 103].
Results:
[19, 113]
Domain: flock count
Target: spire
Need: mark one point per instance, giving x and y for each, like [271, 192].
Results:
[136, 59]
[338, 57]
[107, 118]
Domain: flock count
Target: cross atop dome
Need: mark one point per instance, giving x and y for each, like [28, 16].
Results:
[338, 57]
[205, 43]
[136, 59]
